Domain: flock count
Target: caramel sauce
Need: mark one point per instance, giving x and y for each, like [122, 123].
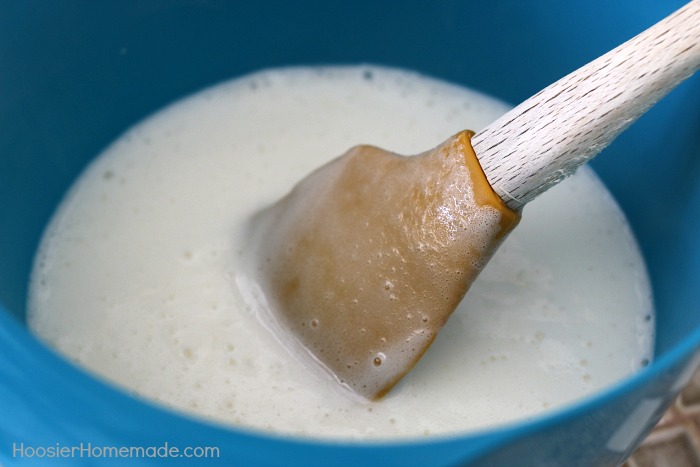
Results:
[371, 254]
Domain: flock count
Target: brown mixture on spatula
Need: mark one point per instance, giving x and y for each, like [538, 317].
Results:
[367, 257]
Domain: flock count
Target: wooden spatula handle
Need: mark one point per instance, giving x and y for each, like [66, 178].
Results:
[544, 139]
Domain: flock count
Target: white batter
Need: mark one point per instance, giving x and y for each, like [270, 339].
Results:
[137, 277]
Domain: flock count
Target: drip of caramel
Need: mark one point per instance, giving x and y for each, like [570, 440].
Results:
[366, 258]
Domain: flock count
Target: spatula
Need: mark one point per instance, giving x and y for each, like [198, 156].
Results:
[366, 258]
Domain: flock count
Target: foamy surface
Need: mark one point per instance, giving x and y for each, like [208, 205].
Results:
[137, 277]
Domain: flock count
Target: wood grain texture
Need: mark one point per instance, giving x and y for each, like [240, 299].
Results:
[544, 139]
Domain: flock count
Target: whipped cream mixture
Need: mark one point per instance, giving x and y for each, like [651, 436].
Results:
[141, 275]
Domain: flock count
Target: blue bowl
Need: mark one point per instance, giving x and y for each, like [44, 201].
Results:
[76, 74]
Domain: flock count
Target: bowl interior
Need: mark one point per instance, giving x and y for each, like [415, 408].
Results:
[77, 74]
